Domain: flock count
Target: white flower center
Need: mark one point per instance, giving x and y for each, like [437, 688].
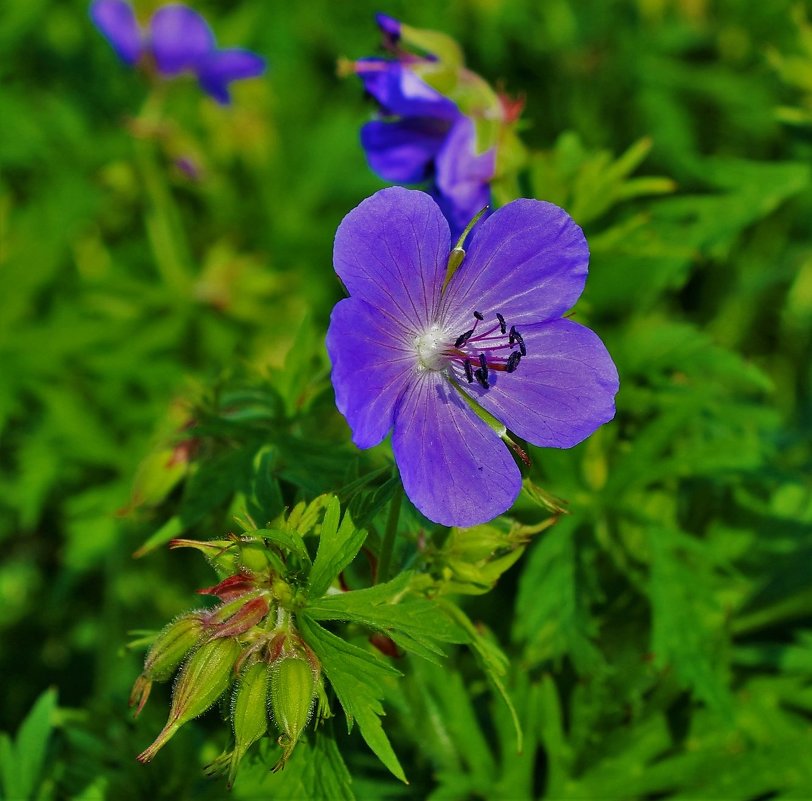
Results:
[431, 347]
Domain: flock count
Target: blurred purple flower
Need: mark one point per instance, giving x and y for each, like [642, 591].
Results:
[425, 135]
[178, 40]
[412, 354]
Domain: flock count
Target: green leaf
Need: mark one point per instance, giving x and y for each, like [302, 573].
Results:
[687, 620]
[331, 779]
[287, 540]
[338, 546]
[21, 762]
[415, 623]
[357, 678]
[493, 662]
[555, 622]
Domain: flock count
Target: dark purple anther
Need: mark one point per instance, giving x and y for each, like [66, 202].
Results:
[513, 361]
[483, 365]
[463, 338]
[482, 378]
[469, 373]
[512, 334]
[502, 323]
[519, 339]
[479, 315]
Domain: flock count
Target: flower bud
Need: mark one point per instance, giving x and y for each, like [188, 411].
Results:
[293, 690]
[202, 680]
[244, 619]
[249, 712]
[165, 654]
[254, 556]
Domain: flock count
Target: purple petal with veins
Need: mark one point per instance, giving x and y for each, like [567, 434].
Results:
[391, 252]
[403, 151]
[454, 467]
[528, 261]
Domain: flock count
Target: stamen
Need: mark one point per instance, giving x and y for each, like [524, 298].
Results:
[483, 365]
[513, 361]
[502, 324]
[479, 315]
[463, 338]
[512, 335]
[482, 378]
[519, 339]
[469, 373]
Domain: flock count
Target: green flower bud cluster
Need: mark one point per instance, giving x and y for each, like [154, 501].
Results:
[278, 683]
[472, 560]
[179, 638]
[248, 642]
[204, 677]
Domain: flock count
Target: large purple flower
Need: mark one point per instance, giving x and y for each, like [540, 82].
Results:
[423, 134]
[412, 354]
[178, 40]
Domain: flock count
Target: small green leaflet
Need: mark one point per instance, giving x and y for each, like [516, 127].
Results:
[22, 759]
[493, 662]
[356, 677]
[415, 623]
[338, 546]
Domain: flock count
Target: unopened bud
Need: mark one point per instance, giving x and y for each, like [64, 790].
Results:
[477, 543]
[254, 556]
[293, 690]
[165, 654]
[230, 588]
[203, 678]
[220, 554]
[249, 712]
[244, 619]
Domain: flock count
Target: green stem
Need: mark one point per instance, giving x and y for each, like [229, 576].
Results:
[163, 223]
[388, 544]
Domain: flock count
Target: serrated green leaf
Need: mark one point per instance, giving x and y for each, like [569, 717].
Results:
[338, 546]
[415, 623]
[555, 622]
[686, 619]
[356, 677]
[493, 662]
[287, 540]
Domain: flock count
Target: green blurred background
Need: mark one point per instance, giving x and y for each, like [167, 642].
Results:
[127, 286]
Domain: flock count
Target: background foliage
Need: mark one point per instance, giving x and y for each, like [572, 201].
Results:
[659, 635]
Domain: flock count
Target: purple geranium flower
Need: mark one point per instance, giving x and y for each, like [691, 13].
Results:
[442, 365]
[178, 40]
[425, 135]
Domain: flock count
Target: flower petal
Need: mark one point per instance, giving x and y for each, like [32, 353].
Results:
[398, 91]
[390, 27]
[180, 39]
[561, 391]
[403, 151]
[371, 368]
[116, 21]
[391, 251]
[463, 176]
[219, 68]
[454, 467]
[527, 261]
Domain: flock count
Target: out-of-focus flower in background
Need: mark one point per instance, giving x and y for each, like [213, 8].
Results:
[438, 121]
[177, 40]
